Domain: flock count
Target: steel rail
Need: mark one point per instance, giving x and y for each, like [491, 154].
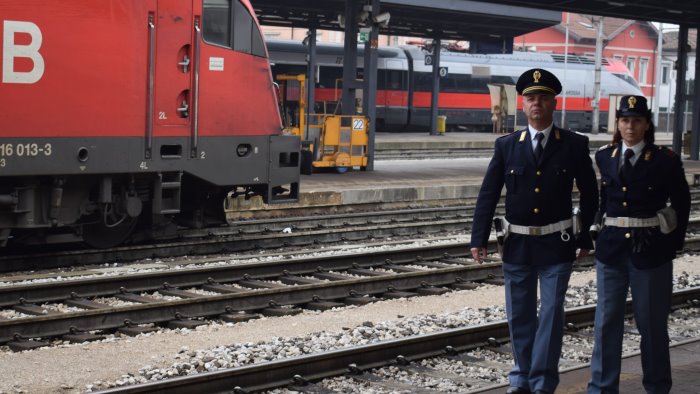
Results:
[214, 305]
[276, 374]
[109, 285]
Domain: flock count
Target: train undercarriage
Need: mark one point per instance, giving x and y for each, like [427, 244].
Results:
[103, 211]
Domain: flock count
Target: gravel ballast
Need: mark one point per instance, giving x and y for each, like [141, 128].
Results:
[123, 360]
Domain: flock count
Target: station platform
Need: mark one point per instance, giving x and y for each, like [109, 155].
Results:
[430, 179]
[685, 366]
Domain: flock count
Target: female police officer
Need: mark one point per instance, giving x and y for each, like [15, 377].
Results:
[636, 246]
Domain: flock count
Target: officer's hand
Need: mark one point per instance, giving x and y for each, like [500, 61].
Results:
[583, 253]
[479, 254]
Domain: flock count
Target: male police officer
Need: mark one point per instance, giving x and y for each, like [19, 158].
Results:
[636, 246]
[538, 166]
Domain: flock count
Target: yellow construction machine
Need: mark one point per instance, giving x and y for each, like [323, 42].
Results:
[328, 141]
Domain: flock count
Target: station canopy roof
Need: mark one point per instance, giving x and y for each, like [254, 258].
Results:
[445, 19]
[473, 20]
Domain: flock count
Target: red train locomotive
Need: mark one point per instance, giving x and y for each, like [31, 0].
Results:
[121, 113]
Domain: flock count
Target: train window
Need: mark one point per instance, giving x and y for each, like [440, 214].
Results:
[423, 82]
[216, 27]
[505, 79]
[217, 22]
[246, 34]
[328, 76]
[242, 29]
[390, 79]
[627, 79]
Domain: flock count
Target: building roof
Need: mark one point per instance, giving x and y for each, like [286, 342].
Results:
[582, 27]
[671, 39]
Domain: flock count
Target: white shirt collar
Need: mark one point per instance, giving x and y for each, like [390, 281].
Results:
[534, 131]
[637, 149]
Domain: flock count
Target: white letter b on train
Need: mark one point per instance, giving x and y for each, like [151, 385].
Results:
[10, 51]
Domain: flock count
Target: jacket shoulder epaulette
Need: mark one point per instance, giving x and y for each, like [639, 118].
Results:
[667, 151]
[604, 147]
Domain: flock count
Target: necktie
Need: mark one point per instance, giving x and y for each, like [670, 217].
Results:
[627, 165]
[539, 148]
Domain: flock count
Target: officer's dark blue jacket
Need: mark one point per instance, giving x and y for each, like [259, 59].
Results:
[538, 194]
[656, 178]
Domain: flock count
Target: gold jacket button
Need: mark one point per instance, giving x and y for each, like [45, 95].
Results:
[539, 172]
[628, 235]
[537, 190]
[624, 188]
[624, 203]
[536, 210]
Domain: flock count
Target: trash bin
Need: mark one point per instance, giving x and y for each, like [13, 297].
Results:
[441, 124]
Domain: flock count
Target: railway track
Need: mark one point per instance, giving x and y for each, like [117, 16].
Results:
[384, 365]
[292, 231]
[134, 303]
[230, 293]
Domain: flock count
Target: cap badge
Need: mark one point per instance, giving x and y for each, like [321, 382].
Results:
[632, 101]
[536, 76]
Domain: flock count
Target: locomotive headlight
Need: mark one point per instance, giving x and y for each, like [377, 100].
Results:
[83, 154]
[243, 150]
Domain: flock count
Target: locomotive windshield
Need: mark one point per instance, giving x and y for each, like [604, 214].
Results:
[217, 22]
[627, 78]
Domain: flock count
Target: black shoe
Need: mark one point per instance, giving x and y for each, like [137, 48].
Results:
[517, 390]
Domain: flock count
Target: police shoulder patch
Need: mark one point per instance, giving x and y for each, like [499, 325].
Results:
[668, 152]
[604, 147]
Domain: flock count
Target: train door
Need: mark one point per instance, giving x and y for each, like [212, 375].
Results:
[396, 93]
[173, 69]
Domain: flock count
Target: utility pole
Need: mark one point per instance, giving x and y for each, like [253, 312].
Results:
[657, 72]
[595, 126]
[566, 63]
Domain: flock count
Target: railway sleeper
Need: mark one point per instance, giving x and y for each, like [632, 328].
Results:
[309, 388]
[359, 299]
[181, 321]
[276, 310]
[297, 280]
[139, 299]
[427, 290]
[372, 380]
[323, 305]
[33, 309]
[393, 293]
[420, 370]
[238, 317]
[83, 303]
[79, 336]
[20, 344]
[223, 289]
[131, 329]
[175, 292]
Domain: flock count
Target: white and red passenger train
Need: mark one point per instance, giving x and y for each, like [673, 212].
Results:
[118, 113]
[404, 83]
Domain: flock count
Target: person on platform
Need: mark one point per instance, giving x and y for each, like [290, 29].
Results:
[538, 167]
[636, 246]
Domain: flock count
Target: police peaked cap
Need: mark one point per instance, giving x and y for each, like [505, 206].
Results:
[538, 80]
[633, 106]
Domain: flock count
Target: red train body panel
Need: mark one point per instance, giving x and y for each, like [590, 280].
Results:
[126, 108]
